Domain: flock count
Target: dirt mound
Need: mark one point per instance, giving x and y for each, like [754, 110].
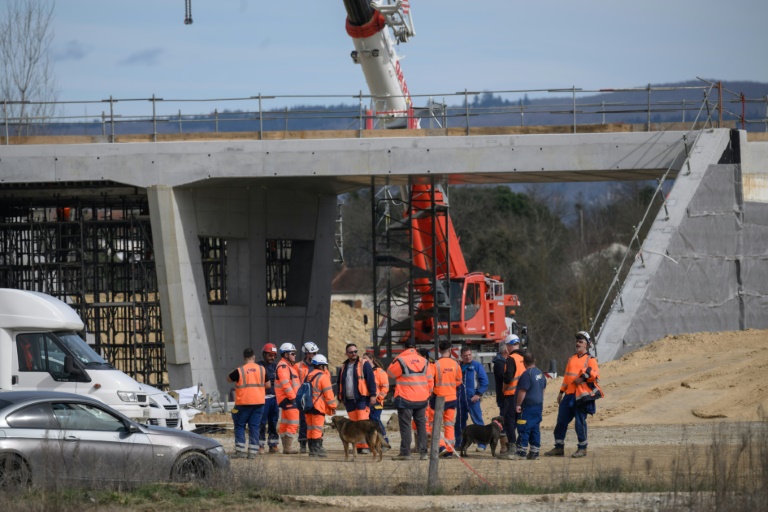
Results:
[681, 379]
[346, 326]
[687, 378]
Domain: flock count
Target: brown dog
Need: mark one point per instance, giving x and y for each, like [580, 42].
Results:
[482, 434]
[352, 432]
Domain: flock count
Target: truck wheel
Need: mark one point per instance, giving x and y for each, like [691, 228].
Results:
[192, 467]
[14, 472]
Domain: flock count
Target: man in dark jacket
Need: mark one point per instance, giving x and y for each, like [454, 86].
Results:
[357, 388]
[498, 373]
[271, 411]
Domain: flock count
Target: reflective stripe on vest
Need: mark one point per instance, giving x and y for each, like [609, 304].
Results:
[511, 388]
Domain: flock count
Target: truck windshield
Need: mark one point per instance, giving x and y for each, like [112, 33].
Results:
[80, 349]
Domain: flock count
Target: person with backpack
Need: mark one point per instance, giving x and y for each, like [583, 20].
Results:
[577, 397]
[250, 383]
[319, 404]
[357, 388]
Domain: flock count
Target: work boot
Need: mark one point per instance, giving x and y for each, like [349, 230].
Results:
[532, 455]
[302, 446]
[557, 451]
[402, 457]
[424, 456]
[261, 450]
[239, 455]
[518, 455]
[504, 446]
[319, 448]
[273, 449]
[288, 446]
[581, 452]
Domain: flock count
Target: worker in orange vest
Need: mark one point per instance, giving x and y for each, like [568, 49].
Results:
[323, 403]
[287, 376]
[357, 388]
[424, 352]
[412, 389]
[447, 378]
[250, 383]
[513, 369]
[577, 396]
[309, 349]
[382, 388]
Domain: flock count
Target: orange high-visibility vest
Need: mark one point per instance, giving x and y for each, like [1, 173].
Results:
[303, 369]
[412, 375]
[286, 381]
[322, 392]
[511, 388]
[447, 378]
[362, 387]
[249, 388]
[382, 384]
[576, 367]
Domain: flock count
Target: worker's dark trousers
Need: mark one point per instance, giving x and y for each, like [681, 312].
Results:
[568, 411]
[509, 413]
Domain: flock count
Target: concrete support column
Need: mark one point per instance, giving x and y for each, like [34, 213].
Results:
[185, 310]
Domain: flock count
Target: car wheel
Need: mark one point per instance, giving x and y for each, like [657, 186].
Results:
[191, 467]
[14, 472]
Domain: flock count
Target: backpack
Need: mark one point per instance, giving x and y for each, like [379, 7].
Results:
[304, 395]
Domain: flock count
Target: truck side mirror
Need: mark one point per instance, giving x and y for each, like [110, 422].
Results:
[70, 368]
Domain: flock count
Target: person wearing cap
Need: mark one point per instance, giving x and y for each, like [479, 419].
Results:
[576, 399]
[412, 377]
[250, 381]
[304, 366]
[513, 368]
[357, 388]
[470, 393]
[323, 403]
[271, 413]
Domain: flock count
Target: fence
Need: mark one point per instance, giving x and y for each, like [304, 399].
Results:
[567, 106]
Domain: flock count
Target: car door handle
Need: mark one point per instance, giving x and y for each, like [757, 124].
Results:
[70, 438]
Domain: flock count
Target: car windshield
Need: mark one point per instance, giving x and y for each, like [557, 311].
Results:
[4, 404]
[85, 354]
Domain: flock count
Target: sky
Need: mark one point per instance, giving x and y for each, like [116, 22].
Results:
[242, 48]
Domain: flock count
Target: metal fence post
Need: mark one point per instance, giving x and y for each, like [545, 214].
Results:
[5, 116]
[180, 121]
[111, 119]
[574, 109]
[466, 108]
[649, 108]
[216, 120]
[261, 121]
[154, 120]
[360, 114]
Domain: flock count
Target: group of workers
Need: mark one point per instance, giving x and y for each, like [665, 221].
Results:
[268, 389]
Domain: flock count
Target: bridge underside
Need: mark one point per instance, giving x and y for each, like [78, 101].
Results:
[241, 232]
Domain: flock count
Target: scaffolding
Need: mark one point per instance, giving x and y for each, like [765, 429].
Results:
[411, 265]
[94, 252]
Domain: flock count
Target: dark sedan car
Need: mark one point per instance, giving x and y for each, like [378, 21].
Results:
[46, 436]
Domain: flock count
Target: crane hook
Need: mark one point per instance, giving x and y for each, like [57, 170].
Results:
[188, 12]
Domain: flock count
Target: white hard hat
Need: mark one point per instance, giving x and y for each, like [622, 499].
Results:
[287, 347]
[584, 335]
[310, 348]
[319, 359]
[511, 339]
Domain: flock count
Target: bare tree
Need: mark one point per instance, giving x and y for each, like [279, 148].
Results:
[27, 82]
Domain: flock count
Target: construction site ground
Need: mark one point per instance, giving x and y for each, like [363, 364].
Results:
[667, 407]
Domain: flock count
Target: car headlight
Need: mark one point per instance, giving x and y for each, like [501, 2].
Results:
[128, 396]
[219, 450]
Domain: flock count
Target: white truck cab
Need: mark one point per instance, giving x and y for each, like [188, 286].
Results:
[40, 349]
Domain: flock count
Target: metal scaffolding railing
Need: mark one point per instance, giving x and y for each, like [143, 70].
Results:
[268, 113]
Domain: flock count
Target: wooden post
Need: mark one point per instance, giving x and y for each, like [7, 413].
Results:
[434, 448]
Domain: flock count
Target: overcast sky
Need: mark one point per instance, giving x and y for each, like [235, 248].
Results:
[240, 48]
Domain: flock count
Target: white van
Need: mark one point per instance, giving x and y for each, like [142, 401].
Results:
[40, 349]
